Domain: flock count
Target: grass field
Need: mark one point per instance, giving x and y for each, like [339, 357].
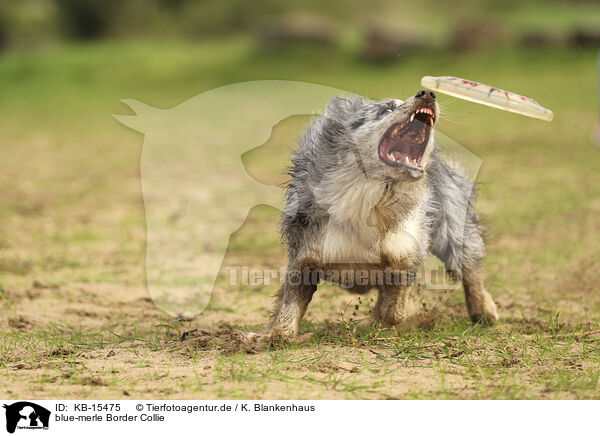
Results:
[76, 320]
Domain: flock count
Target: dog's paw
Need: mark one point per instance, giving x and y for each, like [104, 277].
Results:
[251, 342]
[488, 313]
[254, 342]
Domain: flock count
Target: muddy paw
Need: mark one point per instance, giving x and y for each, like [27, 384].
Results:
[488, 314]
[254, 342]
[251, 342]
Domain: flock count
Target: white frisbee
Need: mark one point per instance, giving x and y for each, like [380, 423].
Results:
[488, 95]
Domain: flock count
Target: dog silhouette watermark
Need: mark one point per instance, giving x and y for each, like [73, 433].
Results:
[26, 415]
[198, 192]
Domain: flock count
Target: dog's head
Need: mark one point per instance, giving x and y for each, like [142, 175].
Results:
[394, 138]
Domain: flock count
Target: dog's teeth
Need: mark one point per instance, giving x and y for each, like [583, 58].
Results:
[406, 159]
[431, 122]
[412, 117]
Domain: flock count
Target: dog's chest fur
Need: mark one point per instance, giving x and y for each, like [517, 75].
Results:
[371, 223]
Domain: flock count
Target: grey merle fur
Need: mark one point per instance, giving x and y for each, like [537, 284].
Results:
[348, 210]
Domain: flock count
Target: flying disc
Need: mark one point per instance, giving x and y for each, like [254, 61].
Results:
[487, 95]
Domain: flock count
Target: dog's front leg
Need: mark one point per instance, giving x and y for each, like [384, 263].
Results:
[291, 302]
[398, 305]
[480, 305]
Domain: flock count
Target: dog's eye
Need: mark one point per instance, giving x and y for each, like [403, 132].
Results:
[390, 107]
[384, 110]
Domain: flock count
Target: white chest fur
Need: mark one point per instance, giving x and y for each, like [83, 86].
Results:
[407, 239]
[361, 243]
[348, 237]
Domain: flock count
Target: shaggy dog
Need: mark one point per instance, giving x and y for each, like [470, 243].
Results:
[368, 196]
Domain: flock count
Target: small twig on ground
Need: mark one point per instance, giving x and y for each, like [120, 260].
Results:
[585, 334]
[185, 335]
[576, 335]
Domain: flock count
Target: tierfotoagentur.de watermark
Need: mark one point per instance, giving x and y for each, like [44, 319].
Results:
[432, 279]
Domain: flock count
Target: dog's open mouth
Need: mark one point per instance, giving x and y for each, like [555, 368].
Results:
[404, 144]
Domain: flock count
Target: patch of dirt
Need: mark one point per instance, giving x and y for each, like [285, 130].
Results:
[19, 323]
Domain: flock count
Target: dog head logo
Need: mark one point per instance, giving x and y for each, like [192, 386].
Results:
[197, 190]
[26, 415]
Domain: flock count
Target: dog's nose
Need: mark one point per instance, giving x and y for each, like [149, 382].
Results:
[425, 93]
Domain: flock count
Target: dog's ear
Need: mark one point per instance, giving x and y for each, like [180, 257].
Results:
[343, 109]
[336, 106]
